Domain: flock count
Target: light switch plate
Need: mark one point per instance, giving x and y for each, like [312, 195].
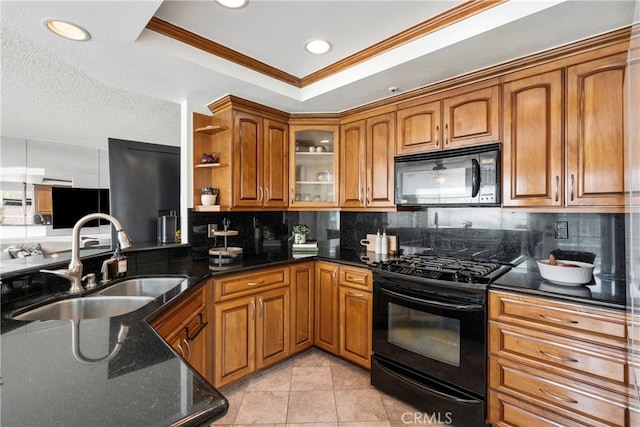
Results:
[561, 229]
[210, 229]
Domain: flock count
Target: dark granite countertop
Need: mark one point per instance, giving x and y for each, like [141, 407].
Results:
[144, 383]
[602, 291]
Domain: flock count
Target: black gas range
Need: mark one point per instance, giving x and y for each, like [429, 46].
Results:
[442, 269]
[430, 333]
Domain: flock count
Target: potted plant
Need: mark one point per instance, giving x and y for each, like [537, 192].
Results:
[299, 233]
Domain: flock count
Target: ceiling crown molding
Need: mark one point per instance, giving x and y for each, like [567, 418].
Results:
[435, 23]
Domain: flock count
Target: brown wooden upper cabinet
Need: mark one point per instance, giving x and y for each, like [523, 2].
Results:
[253, 142]
[465, 116]
[367, 148]
[42, 201]
[260, 161]
[314, 165]
[540, 168]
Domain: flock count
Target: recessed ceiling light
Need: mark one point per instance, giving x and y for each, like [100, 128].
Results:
[233, 4]
[67, 30]
[317, 46]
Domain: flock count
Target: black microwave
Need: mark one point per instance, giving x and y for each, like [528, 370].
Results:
[468, 176]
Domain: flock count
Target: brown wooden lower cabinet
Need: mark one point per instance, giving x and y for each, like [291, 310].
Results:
[355, 325]
[556, 363]
[302, 297]
[252, 331]
[187, 329]
[326, 331]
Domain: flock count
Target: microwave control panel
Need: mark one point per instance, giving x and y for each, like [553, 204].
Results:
[488, 179]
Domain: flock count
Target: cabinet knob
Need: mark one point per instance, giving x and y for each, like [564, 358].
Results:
[437, 135]
[557, 187]
[446, 134]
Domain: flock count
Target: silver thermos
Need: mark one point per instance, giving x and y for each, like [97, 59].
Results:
[167, 227]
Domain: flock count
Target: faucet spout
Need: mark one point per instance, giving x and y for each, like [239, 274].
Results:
[74, 272]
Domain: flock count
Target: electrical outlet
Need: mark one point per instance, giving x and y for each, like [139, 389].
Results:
[561, 229]
[210, 229]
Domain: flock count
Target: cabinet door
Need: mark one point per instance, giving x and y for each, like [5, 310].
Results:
[275, 176]
[42, 202]
[596, 137]
[302, 288]
[532, 147]
[247, 159]
[471, 118]
[419, 128]
[314, 153]
[235, 338]
[326, 307]
[273, 326]
[353, 157]
[194, 344]
[355, 326]
[381, 132]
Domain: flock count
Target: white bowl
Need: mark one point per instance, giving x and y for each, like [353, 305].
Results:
[208, 199]
[564, 275]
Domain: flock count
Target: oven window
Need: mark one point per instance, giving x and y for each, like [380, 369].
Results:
[427, 334]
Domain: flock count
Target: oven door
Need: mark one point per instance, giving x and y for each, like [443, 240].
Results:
[438, 332]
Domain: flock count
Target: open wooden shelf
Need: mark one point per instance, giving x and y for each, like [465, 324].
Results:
[211, 129]
[209, 208]
[211, 165]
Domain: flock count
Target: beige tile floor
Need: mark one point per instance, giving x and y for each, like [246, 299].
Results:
[312, 389]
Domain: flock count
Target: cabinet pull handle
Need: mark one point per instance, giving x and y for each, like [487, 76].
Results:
[186, 343]
[557, 187]
[180, 351]
[333, 278]
[253, 310]
[266, 194]
[353, 278]
[355, 294]
[368, 195]
[261, 306]
[446, 134]
[437, 135]
[561, 358]
[261, 194]
[560, 398]
[259, 282]
[361, 195]
[555, 319]
[573, 185]
[191, 336]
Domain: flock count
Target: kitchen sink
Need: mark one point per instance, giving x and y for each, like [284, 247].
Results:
[93, 307]
[143, 286]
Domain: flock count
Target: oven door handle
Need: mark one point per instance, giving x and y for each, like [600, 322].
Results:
[427, 389]
[475, 177]
[469, 307]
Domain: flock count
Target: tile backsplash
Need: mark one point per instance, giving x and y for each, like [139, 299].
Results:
[502, 233]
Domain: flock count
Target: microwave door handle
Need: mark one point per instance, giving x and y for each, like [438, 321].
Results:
[433, 303]
[475, 177]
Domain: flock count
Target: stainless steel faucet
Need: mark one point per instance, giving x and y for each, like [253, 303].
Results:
[74, 272]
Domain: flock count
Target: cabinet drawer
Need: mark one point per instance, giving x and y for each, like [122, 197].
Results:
[248, 283]
[356, 278]
[565, 397]
[596, 365]
[597, 325]
[181, 314]
[506, 411]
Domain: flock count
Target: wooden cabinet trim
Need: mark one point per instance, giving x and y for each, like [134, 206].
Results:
[355, 277]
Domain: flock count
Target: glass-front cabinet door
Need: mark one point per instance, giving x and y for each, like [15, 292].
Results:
[314, 165]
